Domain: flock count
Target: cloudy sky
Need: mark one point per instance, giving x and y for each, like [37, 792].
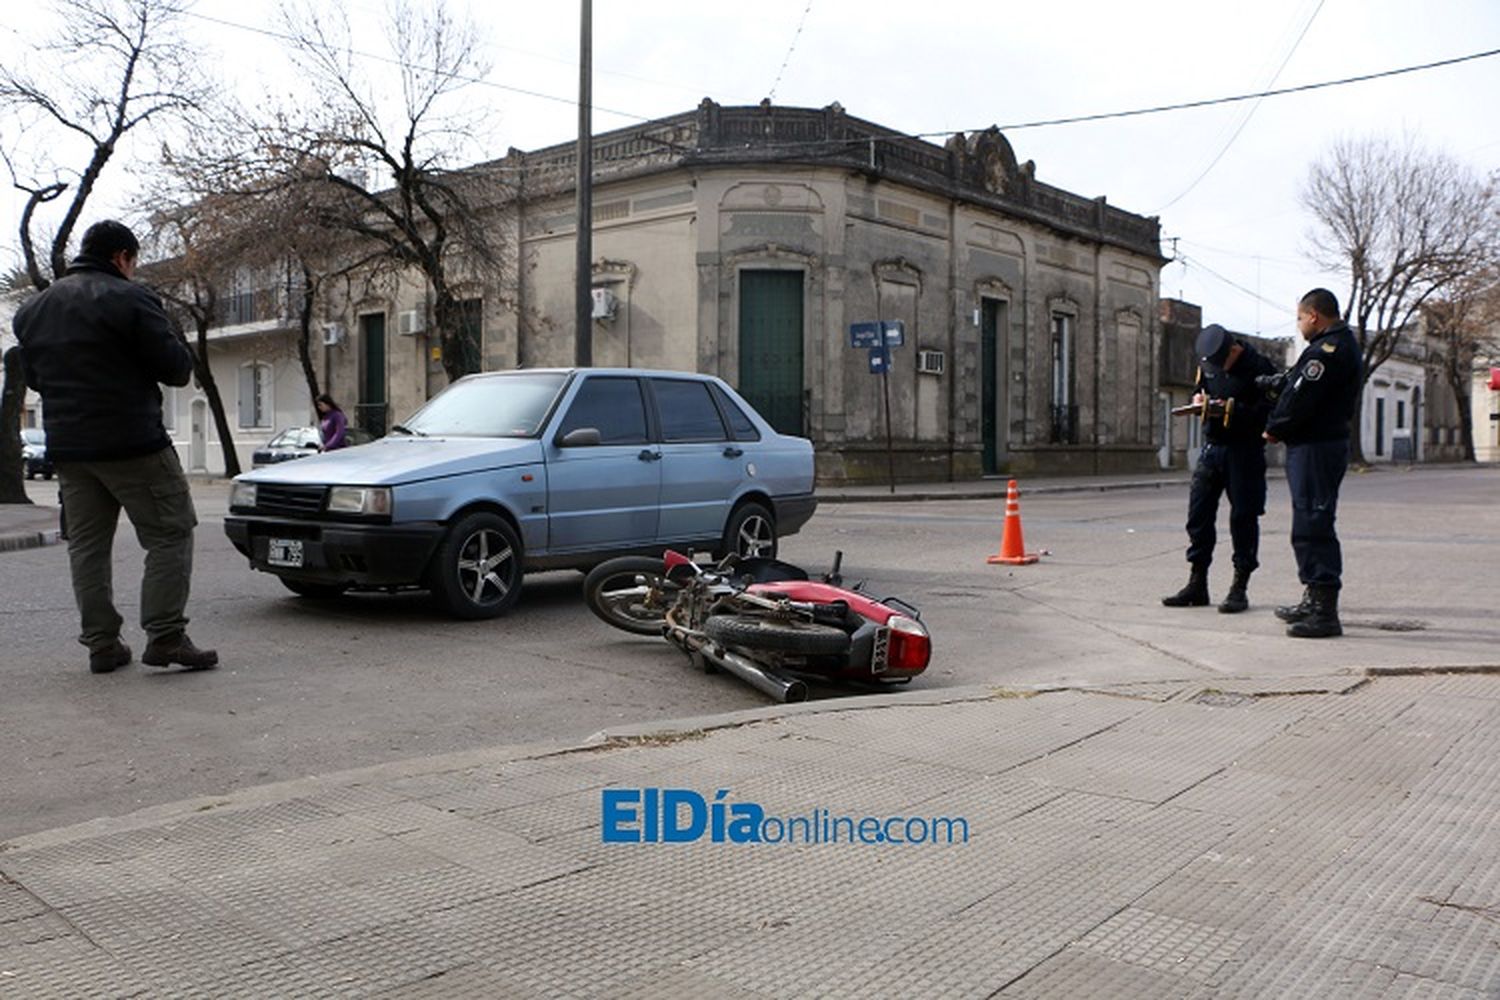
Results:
[1225, 180]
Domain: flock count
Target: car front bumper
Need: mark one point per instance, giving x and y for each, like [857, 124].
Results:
[793, 511]
[356, 555]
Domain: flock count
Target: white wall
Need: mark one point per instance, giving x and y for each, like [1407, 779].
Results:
[1397, 385]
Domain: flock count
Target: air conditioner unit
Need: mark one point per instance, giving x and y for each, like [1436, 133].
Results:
[333, 334]
[930, 362]
[411, 322]
[605, 303]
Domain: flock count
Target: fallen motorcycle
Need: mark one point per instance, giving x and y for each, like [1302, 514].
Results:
[763, 621]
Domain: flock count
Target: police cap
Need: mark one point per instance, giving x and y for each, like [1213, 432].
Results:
[1213, 345]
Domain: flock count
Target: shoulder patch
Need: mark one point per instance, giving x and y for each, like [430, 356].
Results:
[1330, 347]
[1314, 370]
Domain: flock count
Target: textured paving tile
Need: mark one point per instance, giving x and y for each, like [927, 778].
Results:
[66, 969]
[1182, 949]
[1080, 974]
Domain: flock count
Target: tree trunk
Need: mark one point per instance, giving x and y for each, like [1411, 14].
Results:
[304, 338]
[460, 347]
[1356, 427]
[1462, 392]
[205, 376]
[12, 403]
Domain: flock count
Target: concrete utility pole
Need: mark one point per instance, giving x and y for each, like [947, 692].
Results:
[583, 349]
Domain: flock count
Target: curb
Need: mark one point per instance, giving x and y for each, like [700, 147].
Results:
[998, 491]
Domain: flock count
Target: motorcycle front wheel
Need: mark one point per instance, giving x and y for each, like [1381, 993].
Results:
[631, 593]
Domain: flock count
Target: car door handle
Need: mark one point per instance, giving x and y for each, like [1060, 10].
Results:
[647, 455]
[733, 452]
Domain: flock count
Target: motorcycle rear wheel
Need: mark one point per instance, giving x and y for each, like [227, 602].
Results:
[631, 593]
[776, 635]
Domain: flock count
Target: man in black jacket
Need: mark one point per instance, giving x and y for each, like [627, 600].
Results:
[95, 345]
[1233, 410]
[1312, 417]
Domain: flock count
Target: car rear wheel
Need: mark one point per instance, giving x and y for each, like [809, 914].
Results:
[314, 591]
[750, 533]
[476, 571]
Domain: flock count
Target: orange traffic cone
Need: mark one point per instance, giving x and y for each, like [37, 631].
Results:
[1012, 548]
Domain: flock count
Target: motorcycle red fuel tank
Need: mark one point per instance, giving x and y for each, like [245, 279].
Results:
[910, 647]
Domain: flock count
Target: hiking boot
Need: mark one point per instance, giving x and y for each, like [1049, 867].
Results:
[1323, 621]
[1195, 594]
[178, 649]
[1296, 612]
[1236, 600]
[108, 659]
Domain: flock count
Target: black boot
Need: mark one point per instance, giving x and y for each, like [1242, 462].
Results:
[1195, 594]
[1323, 622]
[1300, 610]
[1236, 600]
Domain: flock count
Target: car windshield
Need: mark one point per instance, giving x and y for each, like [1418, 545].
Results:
[289, 438]
[33, 435]
[492, 406]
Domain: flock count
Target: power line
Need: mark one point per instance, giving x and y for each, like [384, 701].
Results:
[391, 61]
[864, 140]
[1194, 262]
[790, 49]
[1248, 115]
[1209, 102]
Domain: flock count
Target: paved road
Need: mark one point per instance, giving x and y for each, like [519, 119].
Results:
[308, 688]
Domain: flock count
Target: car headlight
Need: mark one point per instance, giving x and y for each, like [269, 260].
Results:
[242, 495]
[374, 500]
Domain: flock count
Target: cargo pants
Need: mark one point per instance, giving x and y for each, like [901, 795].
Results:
[153, 492]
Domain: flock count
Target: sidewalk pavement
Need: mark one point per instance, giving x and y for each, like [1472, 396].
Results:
[27, 526]
[1327, 836]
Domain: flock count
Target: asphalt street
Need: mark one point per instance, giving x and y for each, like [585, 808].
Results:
[311, 687]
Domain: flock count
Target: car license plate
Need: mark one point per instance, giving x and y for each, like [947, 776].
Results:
[284, 552]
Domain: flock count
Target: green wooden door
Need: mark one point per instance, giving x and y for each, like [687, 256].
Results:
[372, 401]
[771, 346]
[992, 386]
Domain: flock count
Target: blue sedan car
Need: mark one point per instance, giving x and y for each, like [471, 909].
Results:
[507, 472]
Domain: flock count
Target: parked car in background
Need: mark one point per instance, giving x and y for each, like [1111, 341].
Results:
[300, 442]
[34, 453]
[506, 472]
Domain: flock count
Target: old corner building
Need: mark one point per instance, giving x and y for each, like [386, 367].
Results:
[744, 241]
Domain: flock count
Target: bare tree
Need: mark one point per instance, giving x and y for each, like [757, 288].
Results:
[138, 69]
[1465, 327]
[388, 177]
[1405, 224]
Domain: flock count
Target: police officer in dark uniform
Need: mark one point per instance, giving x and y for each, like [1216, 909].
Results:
[1313, 416]
[1233, 409]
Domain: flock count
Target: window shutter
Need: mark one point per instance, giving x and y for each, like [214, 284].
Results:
[247, 396]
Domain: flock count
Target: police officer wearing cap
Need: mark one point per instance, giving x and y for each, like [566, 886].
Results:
[1233, 460]
[1313, 417]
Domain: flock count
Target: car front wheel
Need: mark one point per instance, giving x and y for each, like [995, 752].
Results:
[750, 533]
[476, 571]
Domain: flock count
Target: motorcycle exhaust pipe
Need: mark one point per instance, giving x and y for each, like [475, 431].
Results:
[762, 679]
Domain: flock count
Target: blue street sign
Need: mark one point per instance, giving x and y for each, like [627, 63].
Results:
[864, 334]
[895, 333]
[880, 360]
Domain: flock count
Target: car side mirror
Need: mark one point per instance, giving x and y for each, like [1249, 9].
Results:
[312, 446]
[581, 437]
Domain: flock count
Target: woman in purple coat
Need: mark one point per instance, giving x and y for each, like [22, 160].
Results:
[333, 423]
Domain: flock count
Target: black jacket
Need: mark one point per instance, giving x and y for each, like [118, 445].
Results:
[1318, 399]
[1245, 417]
[96, 345]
